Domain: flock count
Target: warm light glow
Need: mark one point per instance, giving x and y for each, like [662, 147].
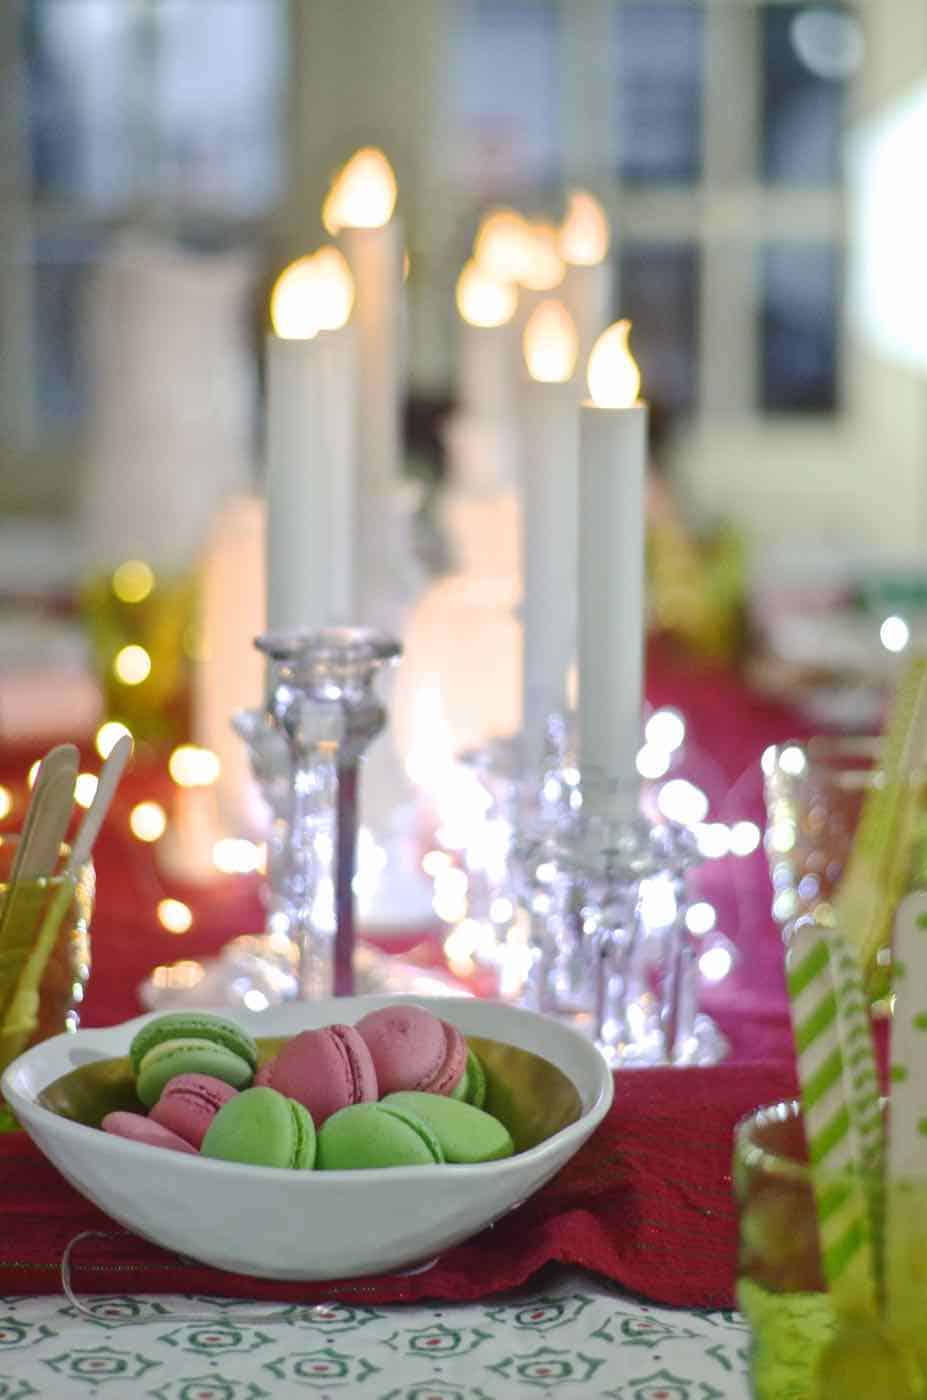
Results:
[481, 300]
[293, 312]
[544, 268]
[550, 343]
[235, 855]
[363, 193]
[191, 766]
[33, 773]
[132, 665]
[502, 245]
[133, 581]
[333, 291]
[6, 802]
[85, 789]
[613, 376]
[148, 821]
[584, 234]
[174, 915]
[108, 736]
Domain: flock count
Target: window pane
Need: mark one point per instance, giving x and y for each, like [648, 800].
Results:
[659, 61]
[217, 117]
[808, 54]
[60, 271]
[659, 294]
[83, 61]
[177, 101]
[800, 291]
[506, 99]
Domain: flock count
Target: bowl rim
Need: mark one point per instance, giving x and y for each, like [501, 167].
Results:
[27, 1107]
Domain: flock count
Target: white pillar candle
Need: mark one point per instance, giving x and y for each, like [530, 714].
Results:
[549, 517]
[486, 370]
[299, 489]
[588, 293]
[375, 258]
[338, 375]
[613, 445]
[310, 444]
[588, 289]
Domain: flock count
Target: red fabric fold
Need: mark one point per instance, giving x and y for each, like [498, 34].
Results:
[646, 1202]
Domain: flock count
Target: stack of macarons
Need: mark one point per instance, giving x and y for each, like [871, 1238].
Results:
[400, 1088]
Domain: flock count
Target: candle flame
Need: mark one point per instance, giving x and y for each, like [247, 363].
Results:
[550, 343]
[501, 246]
[481, 300]
[333, 288]
[314, 293]
[613, 376]
[292, 302]
[363, 193]
[543, 269]
[584, 234]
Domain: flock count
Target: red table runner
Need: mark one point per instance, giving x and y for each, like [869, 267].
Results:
[646, 1202]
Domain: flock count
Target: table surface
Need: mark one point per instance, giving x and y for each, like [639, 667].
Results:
[565, 1334]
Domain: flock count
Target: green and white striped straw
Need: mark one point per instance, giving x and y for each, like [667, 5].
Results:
[906, 1187]
[840, 1104]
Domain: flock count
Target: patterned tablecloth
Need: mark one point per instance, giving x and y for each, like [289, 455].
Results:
[567, 1335]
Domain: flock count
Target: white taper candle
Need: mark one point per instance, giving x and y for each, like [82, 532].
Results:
[549, 552]
[300, 542]
[612, 462]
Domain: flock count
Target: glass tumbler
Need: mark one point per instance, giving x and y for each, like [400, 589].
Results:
[67, 971]
[805, 1345]
[814, 792]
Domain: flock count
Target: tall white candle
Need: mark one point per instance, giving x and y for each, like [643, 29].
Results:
[359, 209]
[613, 447]
[486, 371]
[309, 444]
[549, 517]
[299, 489]
[588, 289]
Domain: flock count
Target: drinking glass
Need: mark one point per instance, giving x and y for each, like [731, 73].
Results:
[67, 971]
[806, 1343]
[814, 791]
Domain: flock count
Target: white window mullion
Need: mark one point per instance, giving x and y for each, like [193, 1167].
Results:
[728, 320]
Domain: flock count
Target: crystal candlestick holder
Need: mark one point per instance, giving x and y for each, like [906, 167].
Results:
[606, 893]
[321, 715]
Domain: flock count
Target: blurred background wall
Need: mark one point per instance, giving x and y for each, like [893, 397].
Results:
[761, 162]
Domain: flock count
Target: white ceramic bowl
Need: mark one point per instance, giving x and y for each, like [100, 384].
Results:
[305, 1225]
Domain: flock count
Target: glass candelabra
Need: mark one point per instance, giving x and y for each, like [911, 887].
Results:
[580, 901]
[604, 888]
[306, 745]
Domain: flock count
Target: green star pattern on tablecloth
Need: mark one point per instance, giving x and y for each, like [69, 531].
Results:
[94, 1366]
[571, 1337]
[325, 1368]
[549, 1368]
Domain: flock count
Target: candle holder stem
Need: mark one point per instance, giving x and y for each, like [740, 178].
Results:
[345, 863]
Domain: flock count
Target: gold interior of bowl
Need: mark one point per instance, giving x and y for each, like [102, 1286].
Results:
[532, 1097]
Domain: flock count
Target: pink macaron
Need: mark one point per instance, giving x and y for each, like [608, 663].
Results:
[135, 1127]
[412, 1049]
[189, 1103]
[325, 1070]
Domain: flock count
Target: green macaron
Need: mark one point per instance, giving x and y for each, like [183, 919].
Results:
[471, 1087]
[263, 1129]
[192, 1025]
[172, 1057]
[367, 1135]
[466, 1134]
